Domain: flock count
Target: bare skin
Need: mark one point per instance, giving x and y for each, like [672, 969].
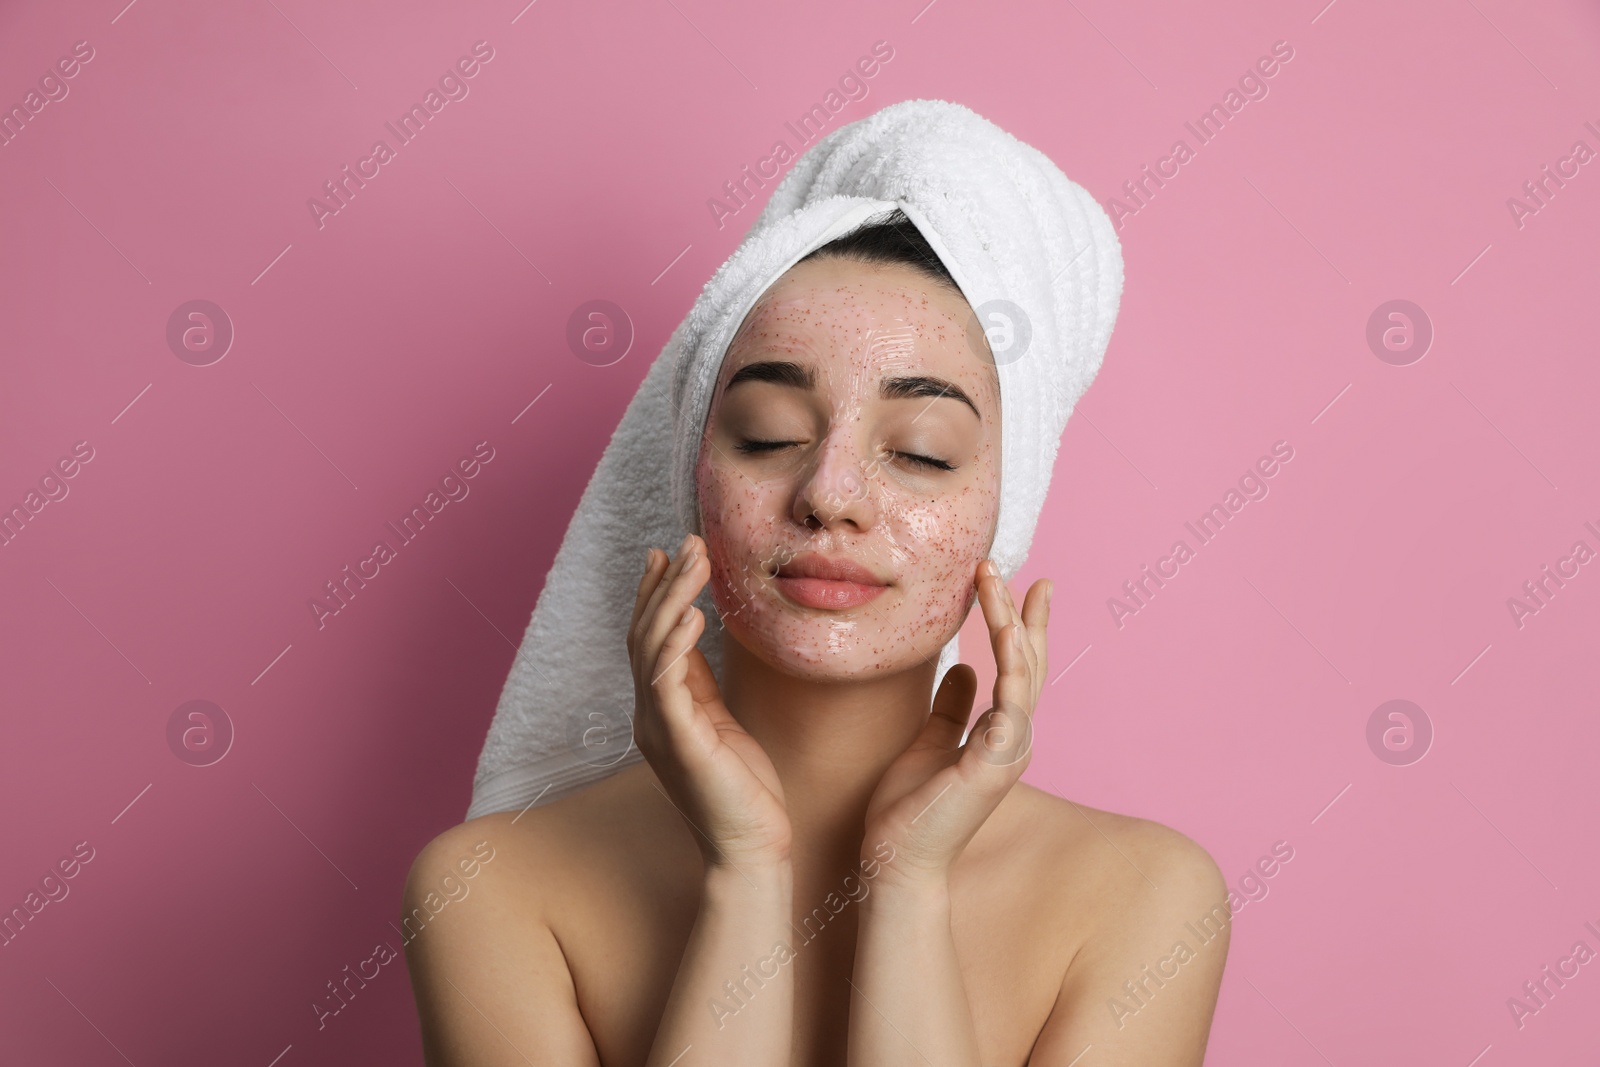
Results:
[807, 867]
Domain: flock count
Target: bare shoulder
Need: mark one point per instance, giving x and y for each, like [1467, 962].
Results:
[465, 861]
[1152, 927]
[490, 975]
[538, 853]
[1131, 864]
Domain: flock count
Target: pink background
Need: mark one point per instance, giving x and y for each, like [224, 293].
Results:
[372, 353]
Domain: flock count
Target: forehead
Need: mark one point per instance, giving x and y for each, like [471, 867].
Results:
[867, 319]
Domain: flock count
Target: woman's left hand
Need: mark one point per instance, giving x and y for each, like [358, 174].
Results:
[938, 792]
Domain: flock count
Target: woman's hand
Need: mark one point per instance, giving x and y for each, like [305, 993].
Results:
[938, 792]
[711, 769]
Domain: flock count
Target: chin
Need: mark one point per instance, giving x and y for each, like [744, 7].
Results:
[820, 646]
[816, 663]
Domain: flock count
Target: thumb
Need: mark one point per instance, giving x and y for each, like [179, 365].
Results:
[952, 707]
[703, 688]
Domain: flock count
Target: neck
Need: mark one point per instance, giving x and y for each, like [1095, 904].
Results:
[829, 740]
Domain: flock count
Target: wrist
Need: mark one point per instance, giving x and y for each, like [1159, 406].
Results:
[895, 870]
[741, 880]
[919, 896]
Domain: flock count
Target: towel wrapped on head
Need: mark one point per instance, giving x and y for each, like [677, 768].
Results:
[1039, 263]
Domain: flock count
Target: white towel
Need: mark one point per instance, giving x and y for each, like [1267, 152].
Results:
[1036, 257]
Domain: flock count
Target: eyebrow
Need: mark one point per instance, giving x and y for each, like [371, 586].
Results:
[797, 376]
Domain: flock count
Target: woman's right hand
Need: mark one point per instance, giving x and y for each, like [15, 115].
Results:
[711, 769]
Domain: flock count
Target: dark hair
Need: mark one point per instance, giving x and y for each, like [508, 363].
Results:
[889, 237]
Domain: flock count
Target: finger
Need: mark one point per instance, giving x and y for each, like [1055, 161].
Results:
[679, 586]
[703, 688]
[674, 565]
[647, 585]
[952, 708]
[668, 674]
[652, 586]
[999, 612]
[1029, 647]
[1013, 682]
[1011, 604]
[1036, 617]
[995, 614]
[669, 669]
[1036, 605]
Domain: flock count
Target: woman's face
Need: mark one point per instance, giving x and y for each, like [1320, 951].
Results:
[855, 419]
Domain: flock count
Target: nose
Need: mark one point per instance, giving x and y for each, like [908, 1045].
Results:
[836, 488]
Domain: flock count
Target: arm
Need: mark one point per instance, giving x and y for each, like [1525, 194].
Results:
[909, 1006]
[718, 778]
[492, 988]
[744, 918]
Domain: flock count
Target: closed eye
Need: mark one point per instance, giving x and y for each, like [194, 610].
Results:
[927, 462]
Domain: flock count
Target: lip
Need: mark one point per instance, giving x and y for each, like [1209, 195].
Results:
[815, 581]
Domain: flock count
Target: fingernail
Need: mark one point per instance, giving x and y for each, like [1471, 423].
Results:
[1049, 591]
[649, 557]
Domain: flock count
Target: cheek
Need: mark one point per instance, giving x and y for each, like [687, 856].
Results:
[944, 545]
[738, 519]
[939, 545]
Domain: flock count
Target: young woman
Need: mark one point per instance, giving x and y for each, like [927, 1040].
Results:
[809, 868]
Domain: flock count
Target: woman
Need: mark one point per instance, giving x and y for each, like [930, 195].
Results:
[808, 867]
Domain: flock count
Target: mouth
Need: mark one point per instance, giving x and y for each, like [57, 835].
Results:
[814, 581]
